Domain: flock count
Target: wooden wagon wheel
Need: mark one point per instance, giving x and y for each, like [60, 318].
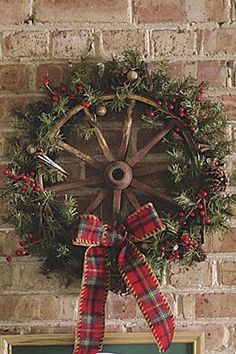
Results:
[119, 175]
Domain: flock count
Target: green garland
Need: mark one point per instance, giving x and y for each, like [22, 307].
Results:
[43, 219]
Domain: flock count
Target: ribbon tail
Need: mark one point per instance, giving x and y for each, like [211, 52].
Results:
[145, 287]
[94, 290]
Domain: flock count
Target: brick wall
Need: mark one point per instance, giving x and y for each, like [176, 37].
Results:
[196, 37]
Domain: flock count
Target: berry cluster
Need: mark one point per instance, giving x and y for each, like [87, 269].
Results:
[175, 248]
[64, 90]
[26, 180]
[199, 209]
[176, 109]
[22, 251]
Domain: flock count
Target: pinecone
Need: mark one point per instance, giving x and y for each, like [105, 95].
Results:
[215, 176]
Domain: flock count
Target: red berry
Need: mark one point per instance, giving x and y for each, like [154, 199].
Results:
[33, 185]
[24, 187]
[7, 172]
[64, 88]
[184, 237]
[37, 189]
[159, 103]
[9, 259]
[207, 221]
[202, 90]
[199, 98]
[192, 214]
[177, 254]
[188, 248]
[32, 174]
[192, 128]
[21, 252]
[55, 97]
[162, 248]
[202, 213]
[182, 223]
[177, 129]
[30, 236]
[181, 114]
[184, 124]
[200, 206]
[167, 242]
[170, 257]
[181, 213]
[151, 114]
[170, 106]
[22, 243]
[204, 194]
[72, 94]
[85, 104]
[80, 88]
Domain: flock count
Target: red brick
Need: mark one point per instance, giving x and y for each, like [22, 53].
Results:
[211, 71]
[7, 104]
[228, 272]
[169, 43]
[116, 41]
[25, 307]
[6, 275]
[221, 242]
[81, 11]
[14, 77]
[68, 44]
[216, 10]
[219, 41]
[184, 277]
[118, 307]
[14, 11]
[25, 44]
[215, 305]
[153, 11]
[207, 10]
[230, 106]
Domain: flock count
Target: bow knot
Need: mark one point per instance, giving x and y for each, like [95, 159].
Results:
[118, 242]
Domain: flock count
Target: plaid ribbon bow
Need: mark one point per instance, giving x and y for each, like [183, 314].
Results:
[135, 271]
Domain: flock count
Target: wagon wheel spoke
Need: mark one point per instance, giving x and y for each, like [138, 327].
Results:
[144, 171]
[126, 131]
[149, 190]
[100, 137]
[132, 198]
[98, 200]
[64, 119]
[144, 151]
[76, 183]
[82, 156]
[116, 201]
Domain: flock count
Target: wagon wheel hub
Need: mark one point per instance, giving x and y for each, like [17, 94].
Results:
[118, 175]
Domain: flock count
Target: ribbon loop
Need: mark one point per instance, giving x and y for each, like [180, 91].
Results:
[137, 274]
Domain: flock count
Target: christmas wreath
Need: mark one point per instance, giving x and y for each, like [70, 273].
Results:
[190, 124]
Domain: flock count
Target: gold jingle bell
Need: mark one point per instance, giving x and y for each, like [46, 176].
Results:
[30, 149]
[132, 75]
[101, 110]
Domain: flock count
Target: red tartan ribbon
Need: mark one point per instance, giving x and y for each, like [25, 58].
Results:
[137, 274]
